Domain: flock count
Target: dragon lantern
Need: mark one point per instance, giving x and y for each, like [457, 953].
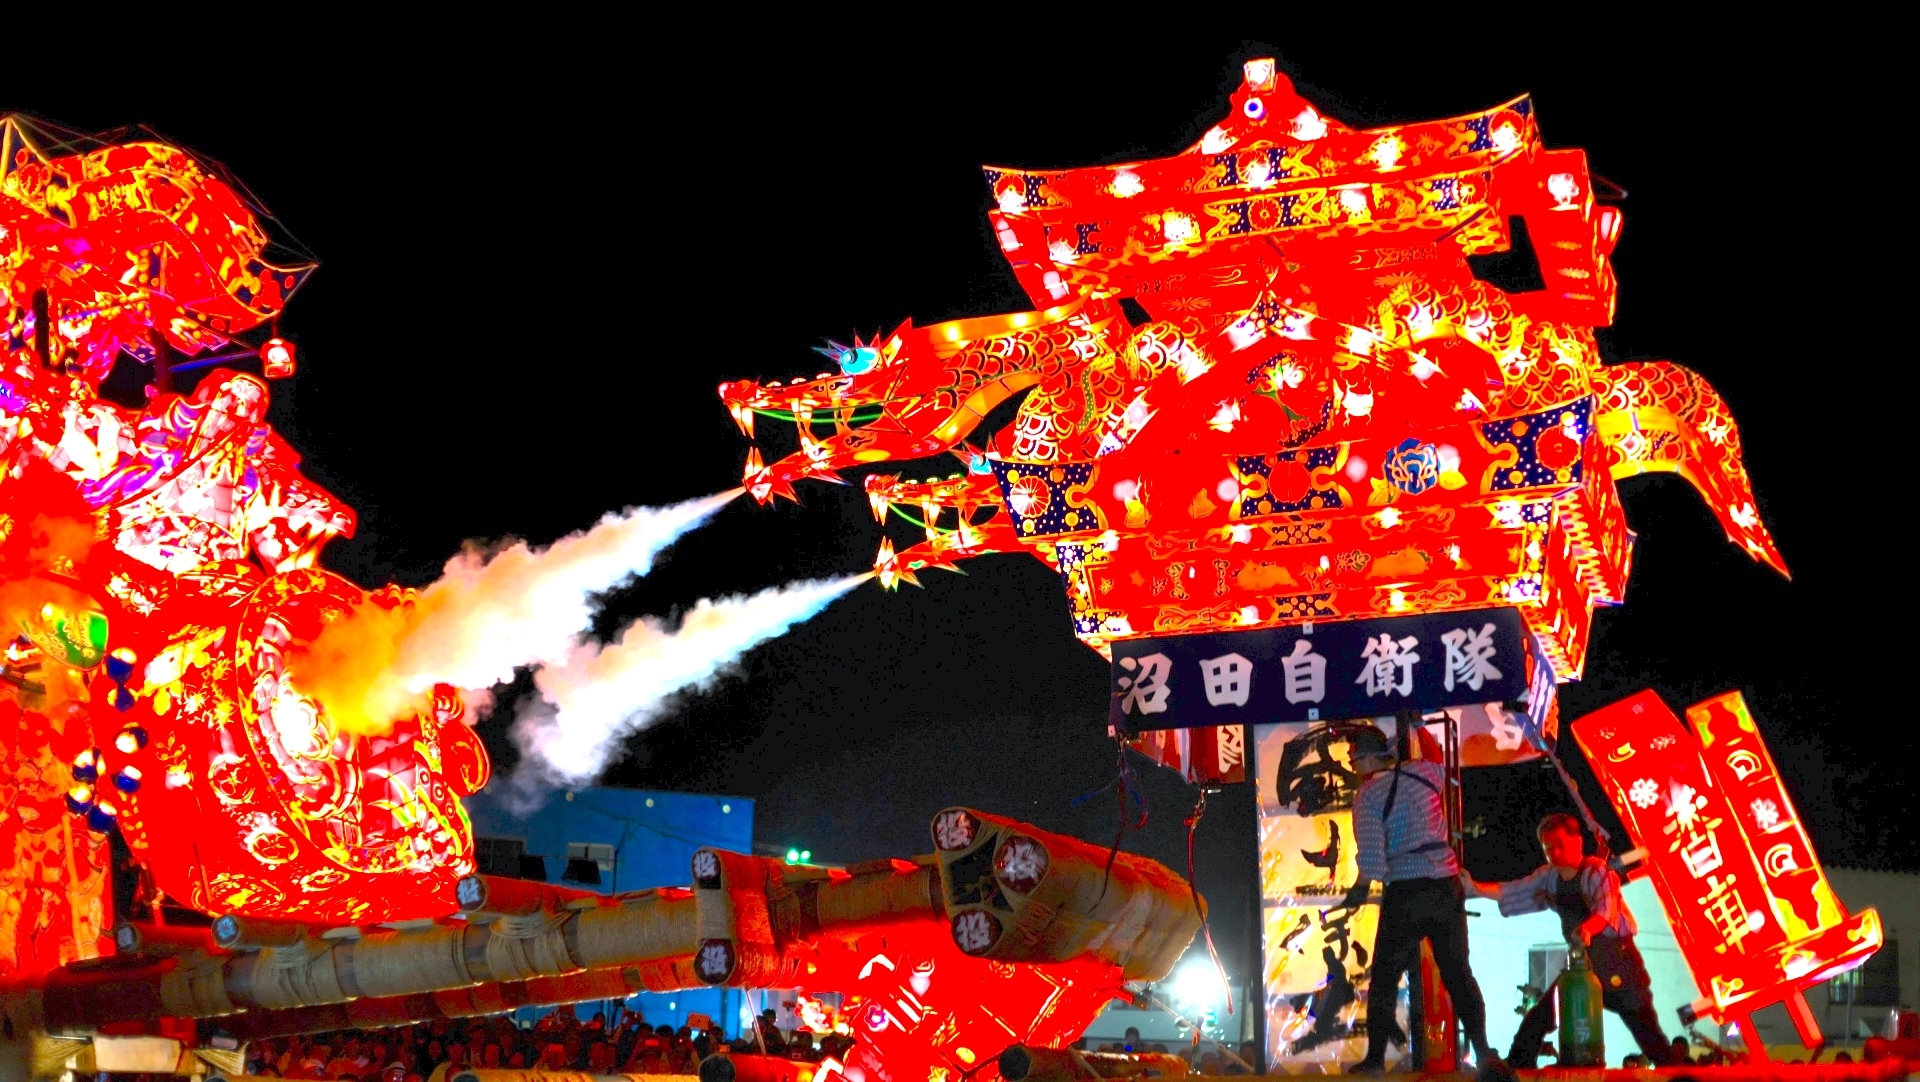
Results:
[157, 567]
[1265, 387]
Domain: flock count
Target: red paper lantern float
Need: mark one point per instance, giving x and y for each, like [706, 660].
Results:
[157, 566]
[1326, 412]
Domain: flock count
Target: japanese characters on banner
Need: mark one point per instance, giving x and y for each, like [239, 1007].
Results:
[1316, 956]
[1750, 906]
[1348, 669]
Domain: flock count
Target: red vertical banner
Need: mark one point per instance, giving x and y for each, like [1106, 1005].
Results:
[1207, 757]
[1735, 872]
[1730, 743]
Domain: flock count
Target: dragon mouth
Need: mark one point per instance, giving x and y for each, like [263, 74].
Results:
[839, 399]
[827, 413]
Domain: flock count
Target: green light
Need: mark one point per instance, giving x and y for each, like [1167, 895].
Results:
[793, 856]
[806, 855]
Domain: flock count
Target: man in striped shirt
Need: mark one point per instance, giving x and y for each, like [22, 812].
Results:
[1400, 838]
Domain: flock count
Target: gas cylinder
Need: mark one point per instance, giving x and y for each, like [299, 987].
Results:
[1582, 1025]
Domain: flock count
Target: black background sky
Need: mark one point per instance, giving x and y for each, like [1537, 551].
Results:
[539, 261]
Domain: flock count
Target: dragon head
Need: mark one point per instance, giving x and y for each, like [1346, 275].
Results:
[856, 396]
[918, 391]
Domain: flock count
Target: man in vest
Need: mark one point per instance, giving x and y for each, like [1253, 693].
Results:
[1585, 893]
[1400, 839]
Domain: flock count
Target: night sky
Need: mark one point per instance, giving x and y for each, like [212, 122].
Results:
[535, 275]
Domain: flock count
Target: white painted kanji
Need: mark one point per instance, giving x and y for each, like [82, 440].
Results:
[1304, 673]
[1145, 684]
[1388, 665]
[1228, 679]
[1469, 657]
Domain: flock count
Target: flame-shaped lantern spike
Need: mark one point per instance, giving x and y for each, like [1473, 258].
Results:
[883, 565]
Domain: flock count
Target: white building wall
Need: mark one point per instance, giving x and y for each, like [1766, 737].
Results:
[1498, 948]
[1897, 896]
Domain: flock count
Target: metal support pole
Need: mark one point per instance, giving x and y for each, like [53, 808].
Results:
[1256, 997]
[1756, 1048]
[1456, 835]
[1456, 804]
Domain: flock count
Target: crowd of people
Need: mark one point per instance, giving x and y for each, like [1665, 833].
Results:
[629, 1045]
[558, 1041]
[1211, 1058]
[564, 1041]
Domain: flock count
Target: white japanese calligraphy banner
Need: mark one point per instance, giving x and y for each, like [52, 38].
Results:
[1347, 669]
[1315, 954]
[1306, 786]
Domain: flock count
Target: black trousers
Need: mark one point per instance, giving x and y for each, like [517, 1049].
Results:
[1434, 910]
[1624, 990]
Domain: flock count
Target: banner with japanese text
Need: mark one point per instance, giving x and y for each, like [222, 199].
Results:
[1314, 671]
[1316, 953]
[1750, 906]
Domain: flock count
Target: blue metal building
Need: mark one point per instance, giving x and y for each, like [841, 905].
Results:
[613, 840]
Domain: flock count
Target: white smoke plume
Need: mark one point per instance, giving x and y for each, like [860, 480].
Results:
[598, 694]
[489, 615]
[491, 612]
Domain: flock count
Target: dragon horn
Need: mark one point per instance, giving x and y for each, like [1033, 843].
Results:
[737, 407]
[876, 499]
[886, 567]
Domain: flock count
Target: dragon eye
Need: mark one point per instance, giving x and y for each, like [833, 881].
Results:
[858, 360]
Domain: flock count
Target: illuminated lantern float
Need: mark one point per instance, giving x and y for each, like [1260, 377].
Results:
[156, 565]
[157, 568]
[1324, 415]
[1294, 458]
